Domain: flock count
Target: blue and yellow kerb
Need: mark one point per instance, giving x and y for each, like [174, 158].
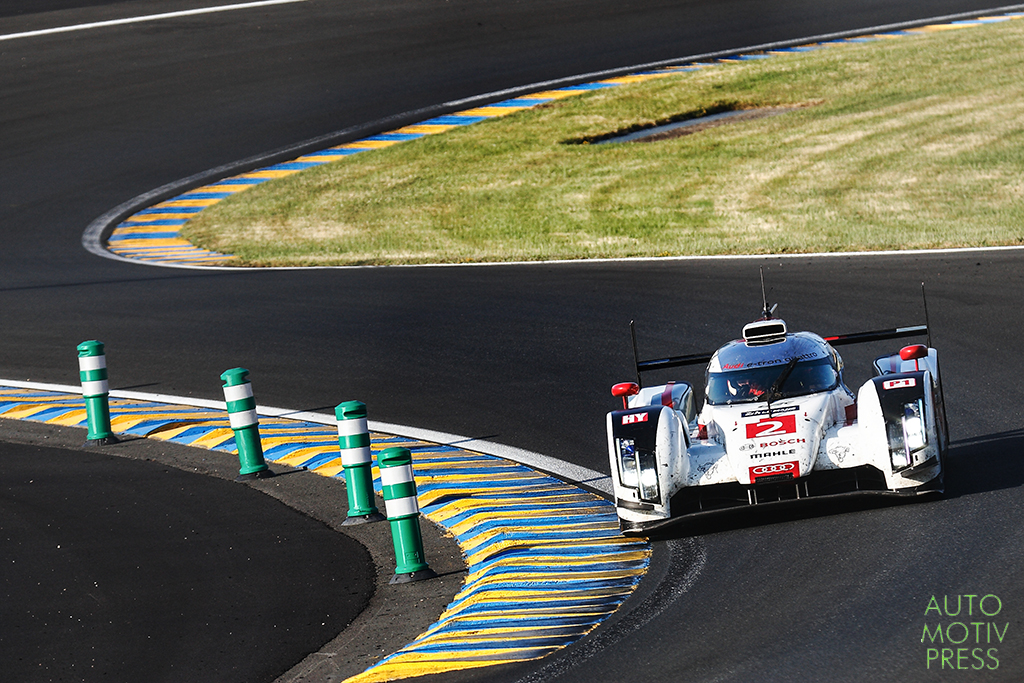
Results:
[153, 235]
[546, 562]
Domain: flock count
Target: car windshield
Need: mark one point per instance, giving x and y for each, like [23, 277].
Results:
[751, 386]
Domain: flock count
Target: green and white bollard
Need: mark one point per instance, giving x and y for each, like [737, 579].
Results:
[92, 370]
[354, 443]
[242, 414]
[399, 488]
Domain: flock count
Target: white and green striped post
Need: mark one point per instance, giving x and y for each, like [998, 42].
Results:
[92, 370]
[242, 415]
[356, 460]
[399, 489]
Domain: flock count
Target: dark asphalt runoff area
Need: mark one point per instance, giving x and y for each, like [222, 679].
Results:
[121, 566]
[522, 355]
[146, 559]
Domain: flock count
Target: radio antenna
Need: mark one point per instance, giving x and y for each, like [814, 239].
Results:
[764, 298]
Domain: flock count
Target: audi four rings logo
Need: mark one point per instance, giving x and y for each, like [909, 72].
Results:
[777, 468]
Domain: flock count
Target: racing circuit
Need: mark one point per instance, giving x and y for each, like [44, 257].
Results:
[520, 355]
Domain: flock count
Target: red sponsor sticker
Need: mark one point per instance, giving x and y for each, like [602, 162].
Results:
[899, 383]
[634, 418]
[774, 469]
[771, 426]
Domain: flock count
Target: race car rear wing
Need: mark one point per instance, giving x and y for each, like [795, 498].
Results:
[836, 340]
[878, 335]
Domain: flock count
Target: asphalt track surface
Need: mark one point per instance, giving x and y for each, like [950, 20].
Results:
[121, 569]
[522, 355]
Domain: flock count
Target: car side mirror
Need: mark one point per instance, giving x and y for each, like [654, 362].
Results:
[625, 389]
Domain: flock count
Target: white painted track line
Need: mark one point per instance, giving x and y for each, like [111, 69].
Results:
[148, 17]
[564, 470]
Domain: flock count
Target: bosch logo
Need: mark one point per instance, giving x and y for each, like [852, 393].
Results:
[781, 442]
[634, 418]
[777, 468]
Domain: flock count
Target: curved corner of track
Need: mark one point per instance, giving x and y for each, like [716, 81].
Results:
[148, 230]
[546, 561]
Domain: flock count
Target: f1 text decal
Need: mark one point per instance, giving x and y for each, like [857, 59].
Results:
[899, 383]
[634, 418]
[771, 426]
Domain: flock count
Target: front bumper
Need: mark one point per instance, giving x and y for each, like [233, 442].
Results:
[702, 501]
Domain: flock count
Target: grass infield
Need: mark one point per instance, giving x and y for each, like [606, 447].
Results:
[914, 142]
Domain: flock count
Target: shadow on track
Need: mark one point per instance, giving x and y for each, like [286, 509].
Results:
[985, 463]
[973, 466]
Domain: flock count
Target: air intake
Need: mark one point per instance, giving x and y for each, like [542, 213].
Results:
[762, 332]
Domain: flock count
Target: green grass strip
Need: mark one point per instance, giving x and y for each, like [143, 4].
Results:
[909, 142]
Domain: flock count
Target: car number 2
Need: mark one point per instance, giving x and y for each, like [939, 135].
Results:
[772, 426]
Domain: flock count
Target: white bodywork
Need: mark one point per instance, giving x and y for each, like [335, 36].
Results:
[766, 447]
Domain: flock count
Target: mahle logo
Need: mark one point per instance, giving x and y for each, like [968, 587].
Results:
[963, 632]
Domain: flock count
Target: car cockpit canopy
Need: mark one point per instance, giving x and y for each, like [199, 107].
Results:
[770, 359]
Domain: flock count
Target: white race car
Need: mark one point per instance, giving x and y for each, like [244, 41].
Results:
[777, 424]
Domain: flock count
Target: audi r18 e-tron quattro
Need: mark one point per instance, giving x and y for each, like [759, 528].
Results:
[777, 424]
